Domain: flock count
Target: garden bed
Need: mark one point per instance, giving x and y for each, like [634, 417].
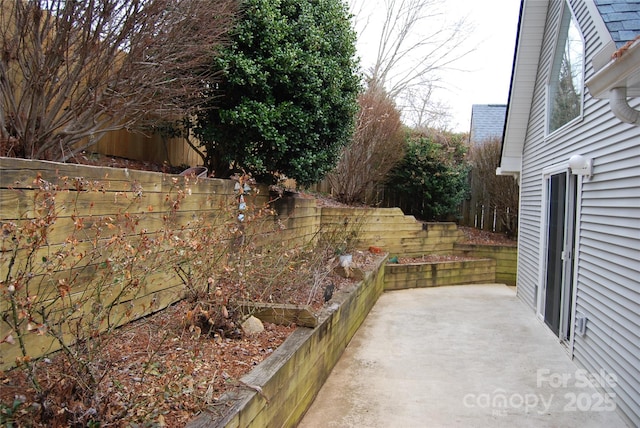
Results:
[279, 391]
[159, 370]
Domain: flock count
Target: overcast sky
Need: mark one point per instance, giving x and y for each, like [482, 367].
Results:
[485, 73]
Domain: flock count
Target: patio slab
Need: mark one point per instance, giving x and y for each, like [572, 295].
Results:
[457, 356]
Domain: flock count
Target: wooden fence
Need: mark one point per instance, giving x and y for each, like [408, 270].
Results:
[152, 148]
[489, 218]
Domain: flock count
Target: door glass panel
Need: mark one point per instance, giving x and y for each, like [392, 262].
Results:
[555, 247]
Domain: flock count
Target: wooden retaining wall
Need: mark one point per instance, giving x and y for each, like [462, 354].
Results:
[506, 258]
[299, 218]
[292, 376]
[107, 193]
[435, 274]
[395, 232]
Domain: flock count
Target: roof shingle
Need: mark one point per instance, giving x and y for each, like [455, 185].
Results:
[487, 122]
[622, 18]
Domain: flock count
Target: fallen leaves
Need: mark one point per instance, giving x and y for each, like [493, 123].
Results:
[483, 237]
[159, 372]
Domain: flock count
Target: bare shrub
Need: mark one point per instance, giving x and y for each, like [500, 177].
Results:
[260, 267]
[377, 146]
[73, 295]
[72, 70]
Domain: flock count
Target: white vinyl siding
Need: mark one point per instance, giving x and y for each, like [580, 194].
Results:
[609, 266]
[607, 260]
[531, 177]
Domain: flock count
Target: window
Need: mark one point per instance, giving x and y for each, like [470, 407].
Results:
[566, 83]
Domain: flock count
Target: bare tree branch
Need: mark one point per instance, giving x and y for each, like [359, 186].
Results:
[493, 191]
[73, 70]
[423, 111]
[415, 44]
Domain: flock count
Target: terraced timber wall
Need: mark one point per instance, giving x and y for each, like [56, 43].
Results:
[62, 204]
[299, 218]
[393, 231]
[156, 203]
[506, 258]
[436, 274]
[290, 378]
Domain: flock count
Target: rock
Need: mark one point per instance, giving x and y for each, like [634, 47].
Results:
[350, 272]
[252, 325]
[346, 260]
[328, 291]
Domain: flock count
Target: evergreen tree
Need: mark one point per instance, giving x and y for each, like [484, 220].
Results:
[432, 176]
[288, 96]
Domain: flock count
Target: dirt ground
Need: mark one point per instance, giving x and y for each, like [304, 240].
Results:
[159, 371]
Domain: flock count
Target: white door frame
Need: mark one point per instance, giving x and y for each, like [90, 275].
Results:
[567, 312]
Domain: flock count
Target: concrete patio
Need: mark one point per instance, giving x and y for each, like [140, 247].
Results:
[458, 356]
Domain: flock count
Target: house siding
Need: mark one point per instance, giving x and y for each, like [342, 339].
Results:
[608, 261]
[531, 180]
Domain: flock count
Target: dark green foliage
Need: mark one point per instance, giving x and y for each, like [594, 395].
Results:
[288, 97]
[432, 177]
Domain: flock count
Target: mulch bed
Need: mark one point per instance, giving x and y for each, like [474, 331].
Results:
[161, 371]
[483, 237]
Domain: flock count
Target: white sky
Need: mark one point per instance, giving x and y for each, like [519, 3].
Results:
[485, 73]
